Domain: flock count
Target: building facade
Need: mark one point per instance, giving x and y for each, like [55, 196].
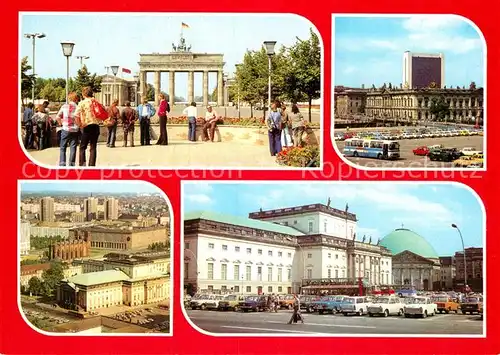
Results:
[119, 279]
[279, 251]
[118, 88]
[111, 209]
[448, 272]
[25, 235]
[78, 217]
[423, 70]
[90, 208]
[47, 213]
[44, 232]
[474, 260]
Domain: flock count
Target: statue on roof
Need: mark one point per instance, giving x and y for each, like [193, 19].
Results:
[378, 241]
[472, 86]
[354, 237]
[328, 202]
[364, 238]
[370, 241]
[181, 47]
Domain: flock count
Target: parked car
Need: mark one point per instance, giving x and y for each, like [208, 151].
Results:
[253, 303]
[472, 304]
[330, 304]
[446, 304]
[353, 305]
[386, 306]
[470, 151]
[286, 301]
[445, 154]
[213, 302]
[200, 301]
[419, 306]
[231, 303]
[423, 150]
[307, 303]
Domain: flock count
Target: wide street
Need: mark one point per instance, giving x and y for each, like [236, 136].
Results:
[409, 160]
[176, 154]
[276, 323]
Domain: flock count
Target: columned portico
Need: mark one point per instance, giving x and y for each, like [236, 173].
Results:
[179, 60]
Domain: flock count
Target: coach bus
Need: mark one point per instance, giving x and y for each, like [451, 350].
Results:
[371, 148]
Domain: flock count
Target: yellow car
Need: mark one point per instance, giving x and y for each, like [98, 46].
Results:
[230, 302]
[464, 132]
[473, 161]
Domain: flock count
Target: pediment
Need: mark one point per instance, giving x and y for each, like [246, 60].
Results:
[224, 260]
[249, 263]
[260, 263]
[270, 264]
[237, 262]
[211, 259]
[408, 257]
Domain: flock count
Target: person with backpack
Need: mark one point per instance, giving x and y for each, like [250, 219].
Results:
[41, 121]
[163, 109]
[145, 111]
[88, 115]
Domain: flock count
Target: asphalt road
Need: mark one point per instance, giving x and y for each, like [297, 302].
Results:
[409, 160]
[276, 323]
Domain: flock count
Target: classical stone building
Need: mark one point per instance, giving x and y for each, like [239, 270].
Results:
[77, 246]
[126, 238]
[282, 251]
[414, 261]
[118, 88]
[404, 105]
[120, 279]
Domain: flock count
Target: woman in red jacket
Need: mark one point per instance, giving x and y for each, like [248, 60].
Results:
[163, 109]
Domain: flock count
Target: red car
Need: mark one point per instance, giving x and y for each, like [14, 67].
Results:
[421, 151]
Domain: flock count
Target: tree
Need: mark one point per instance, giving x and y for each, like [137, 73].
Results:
[52, 277]
[27, 80]
[83, 79]
[439, 108]
[35, 286]
[150, 92]
[302, 72]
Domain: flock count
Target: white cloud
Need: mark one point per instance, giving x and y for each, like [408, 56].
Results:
[199, 198]
[432, 23]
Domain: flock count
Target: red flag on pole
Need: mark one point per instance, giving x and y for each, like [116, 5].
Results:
[125, 70]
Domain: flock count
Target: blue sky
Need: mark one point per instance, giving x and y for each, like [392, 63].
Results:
[427, 209]
[369, 50]
[119, 39]
[85, 186]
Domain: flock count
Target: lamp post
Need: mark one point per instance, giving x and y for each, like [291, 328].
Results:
[67, 48]
[225, 77]
[238, 87]
[270, 52]
[463, 249]
[136, 78]
[82, 57]
[114, 69]
[242, 278]
[33, 37]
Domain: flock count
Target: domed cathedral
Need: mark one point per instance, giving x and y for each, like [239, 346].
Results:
[414, 261]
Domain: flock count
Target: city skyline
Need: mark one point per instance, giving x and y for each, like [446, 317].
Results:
[427, 209]
[369, 50]
[89, 186]
[204, 35]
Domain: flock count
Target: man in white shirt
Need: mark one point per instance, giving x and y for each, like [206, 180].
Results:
[191, 113]
[211, 120]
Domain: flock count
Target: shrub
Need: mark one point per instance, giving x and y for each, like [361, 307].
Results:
[307, 156]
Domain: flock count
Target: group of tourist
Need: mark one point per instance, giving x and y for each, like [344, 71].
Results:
[38, 126]
[285, 129]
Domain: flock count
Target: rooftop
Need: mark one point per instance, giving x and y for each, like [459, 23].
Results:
[98, 278]
[317, 207]
[242, 221]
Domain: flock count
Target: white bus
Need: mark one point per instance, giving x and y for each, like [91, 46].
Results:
[371, 148]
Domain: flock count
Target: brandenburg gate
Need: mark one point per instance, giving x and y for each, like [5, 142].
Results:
[181, 59]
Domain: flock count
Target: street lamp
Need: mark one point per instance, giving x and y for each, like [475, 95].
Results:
[238, 87]
[136, 79]
[270, 52]
[82, 57]
[33, 37]
[114, 69]
[463, 249]
[225, 77]
[67, 48]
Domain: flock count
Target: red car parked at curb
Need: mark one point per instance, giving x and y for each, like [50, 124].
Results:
[421, 151]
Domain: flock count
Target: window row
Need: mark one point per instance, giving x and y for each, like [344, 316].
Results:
[248, 289]
[237, 249]
[247, 275]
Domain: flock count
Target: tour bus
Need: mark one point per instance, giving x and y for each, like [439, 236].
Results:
[371, 148]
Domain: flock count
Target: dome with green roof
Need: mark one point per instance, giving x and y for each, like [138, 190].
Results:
[403, 239]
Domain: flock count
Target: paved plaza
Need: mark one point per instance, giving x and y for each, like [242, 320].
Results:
[175, 155]
[409, 160]
[276, 323]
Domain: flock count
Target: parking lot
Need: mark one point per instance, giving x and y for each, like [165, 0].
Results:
[328, 324]
[409, 160]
